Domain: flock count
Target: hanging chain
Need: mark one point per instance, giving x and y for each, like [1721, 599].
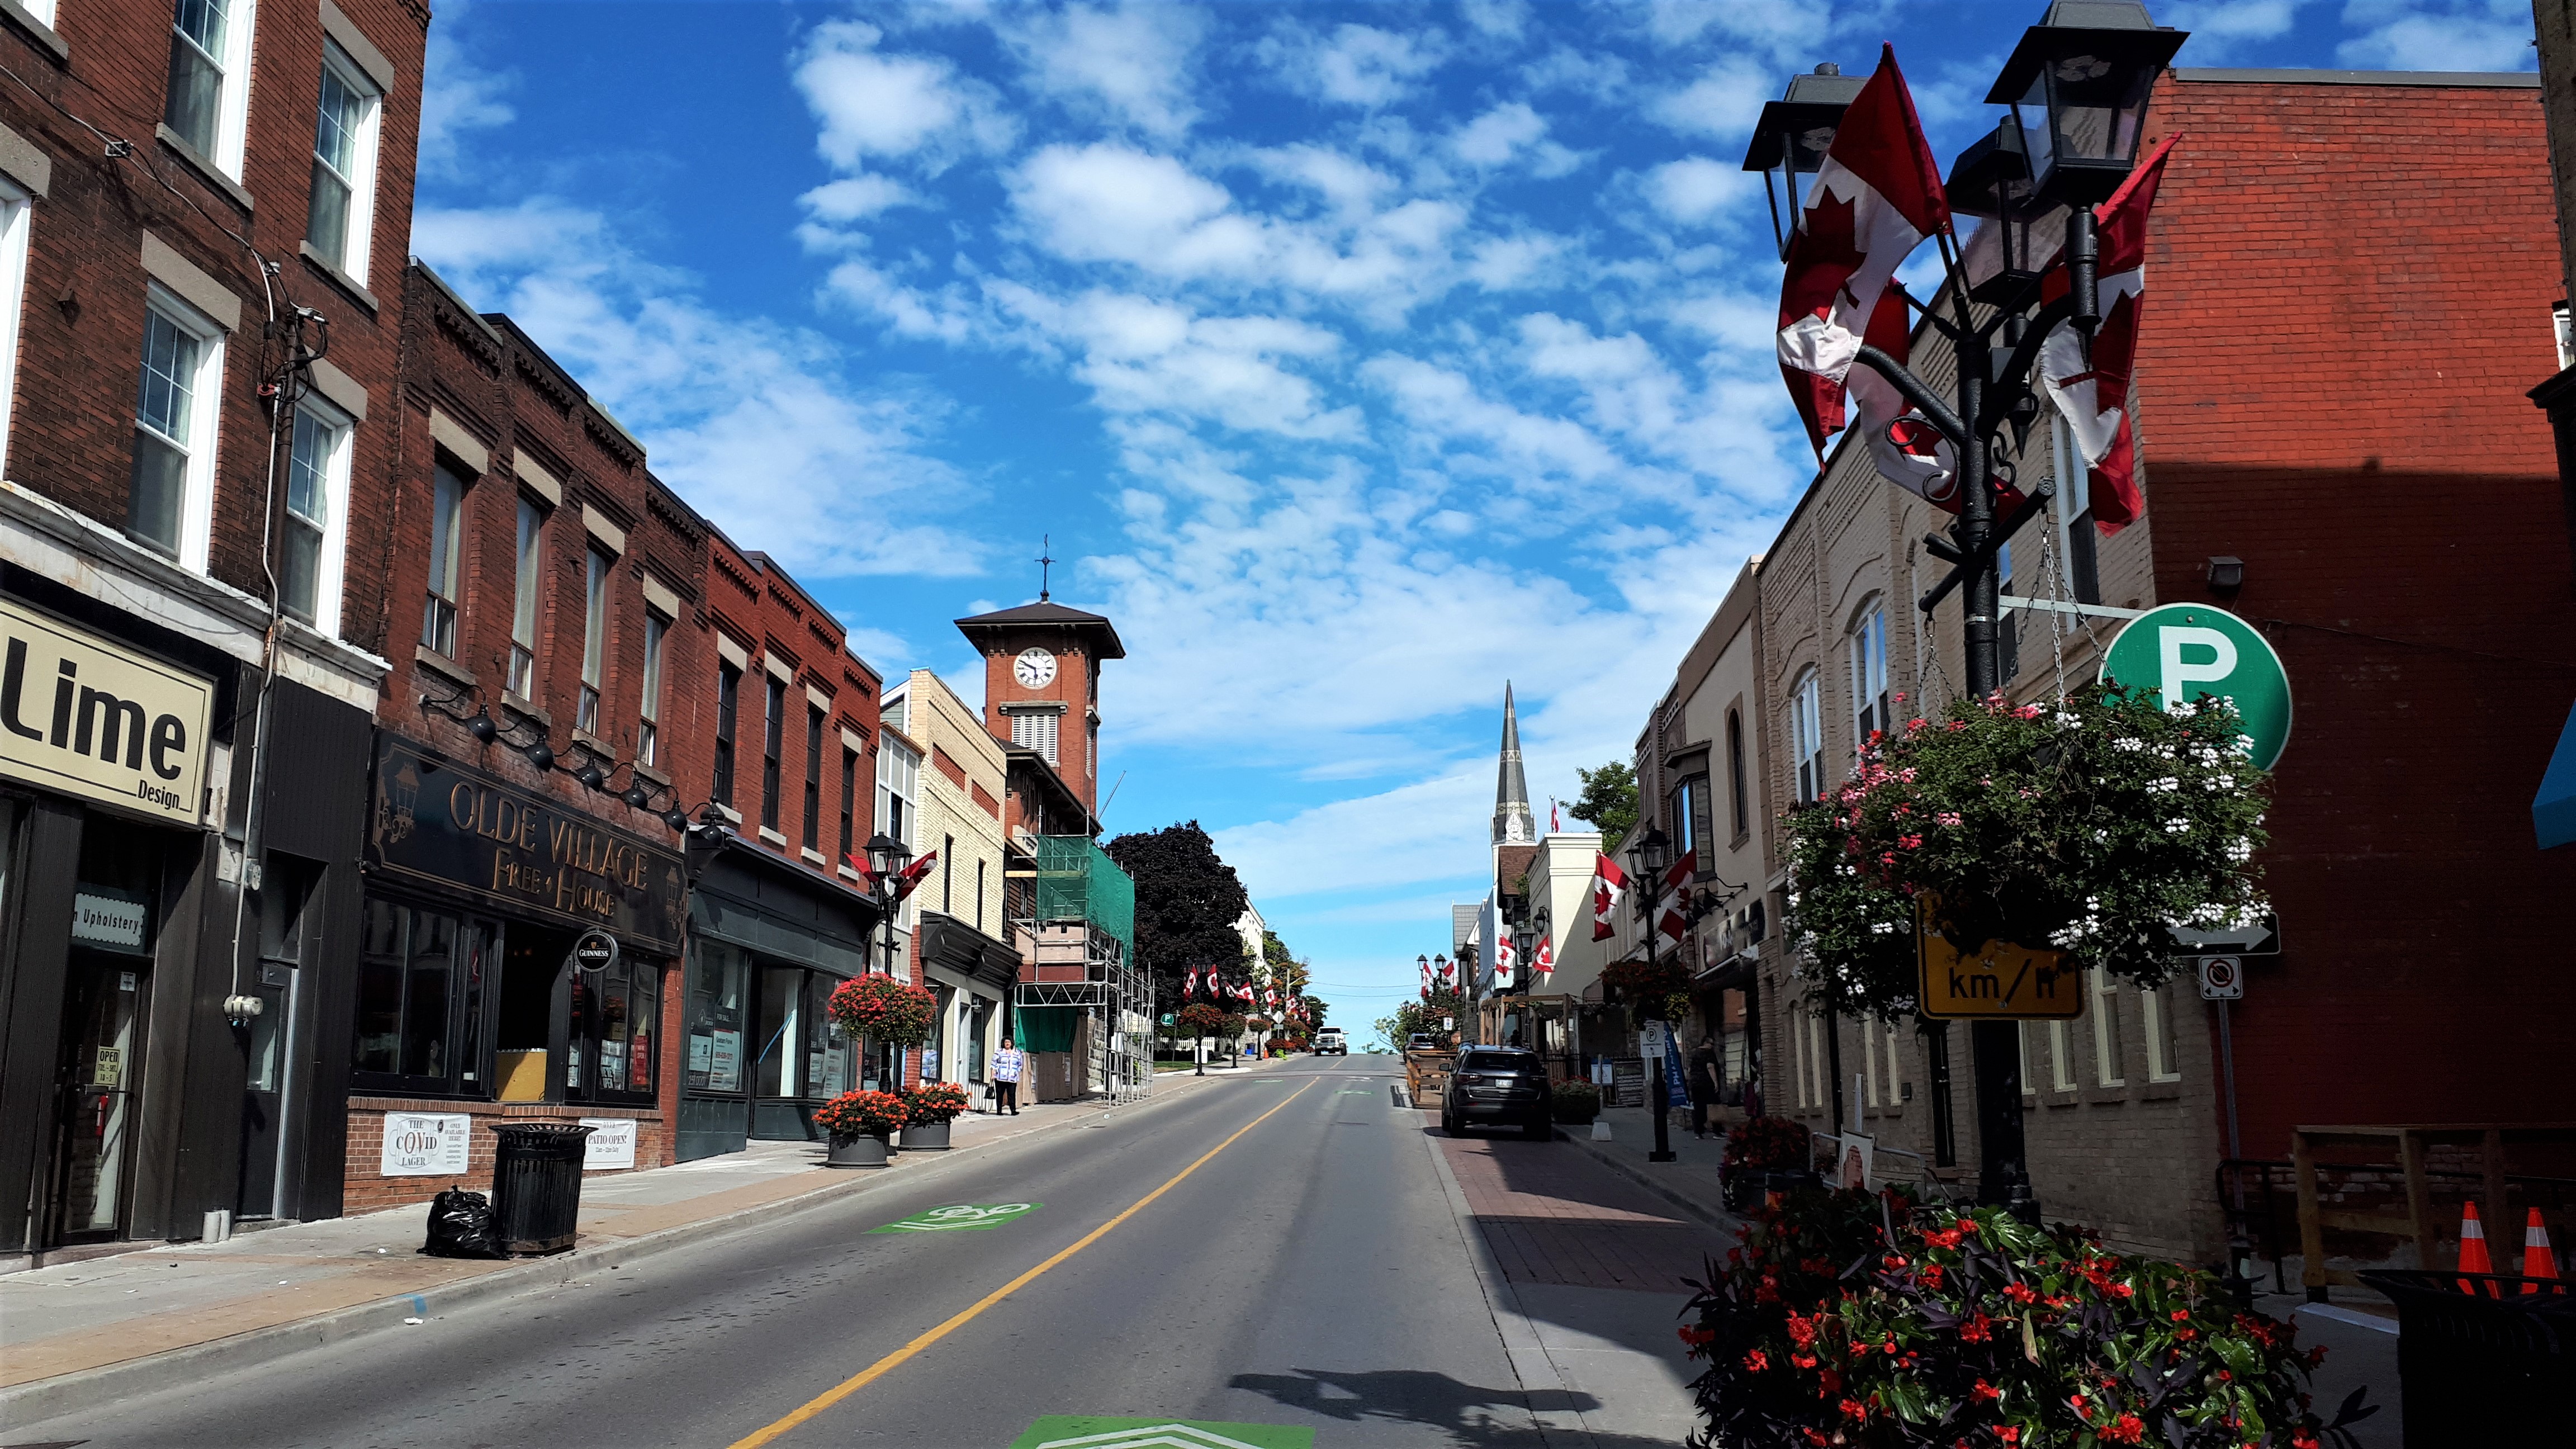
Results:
[2053, 574]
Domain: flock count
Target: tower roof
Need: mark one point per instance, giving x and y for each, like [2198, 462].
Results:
[1512, 820]
[1045, 614]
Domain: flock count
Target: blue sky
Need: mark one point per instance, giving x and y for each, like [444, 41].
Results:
[1357, 358]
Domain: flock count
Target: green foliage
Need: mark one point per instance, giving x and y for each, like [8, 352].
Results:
[2091, 826]
[1575, 1103]
[1421, 1015]
[1203, 1018]
[1609, 800]
[1856, 1318]
[1187, 901]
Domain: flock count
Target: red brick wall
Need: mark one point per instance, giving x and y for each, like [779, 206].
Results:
[2349, 293]
[368, 1190]
[1071, 687]
[81, 328]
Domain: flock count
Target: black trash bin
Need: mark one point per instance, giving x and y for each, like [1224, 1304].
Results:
[536, 1185]
[2479, 1361]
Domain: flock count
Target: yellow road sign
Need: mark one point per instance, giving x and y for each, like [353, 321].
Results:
[1997, 981]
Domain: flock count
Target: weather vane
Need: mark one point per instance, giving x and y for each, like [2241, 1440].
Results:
[1046, 565]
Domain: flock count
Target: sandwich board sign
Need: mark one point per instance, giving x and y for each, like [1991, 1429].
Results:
[2180, 652]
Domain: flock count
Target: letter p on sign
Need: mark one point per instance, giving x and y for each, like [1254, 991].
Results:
[2184, 651]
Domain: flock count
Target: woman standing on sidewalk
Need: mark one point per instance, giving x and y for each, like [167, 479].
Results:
[1006, 1078]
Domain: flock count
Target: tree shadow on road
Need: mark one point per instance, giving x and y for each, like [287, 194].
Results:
[1470, 1415]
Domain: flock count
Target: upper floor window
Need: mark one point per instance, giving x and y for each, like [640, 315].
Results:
[648, 726]
[341, 218]
[209, 95]
[446, 525]
[1739, 815]
[317, 492]
[849, 798]
[1807, 736]
[1690, 820]
[813, 777]
[898, 789]
[594, 642]
[728, 716]
[1869, 673]
[1036, 729]
[773, 743]
[170, 497]
[523, 610]
[14, 206]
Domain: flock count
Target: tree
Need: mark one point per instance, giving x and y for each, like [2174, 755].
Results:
[1424, 1015]
[1202, 1020]
[1609, 802]
[1187, 903]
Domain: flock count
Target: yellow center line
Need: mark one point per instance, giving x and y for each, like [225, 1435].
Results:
[879, 1369]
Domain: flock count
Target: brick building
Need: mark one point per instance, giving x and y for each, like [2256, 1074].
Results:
[2429, 648]
[777, 916]
[194, 220]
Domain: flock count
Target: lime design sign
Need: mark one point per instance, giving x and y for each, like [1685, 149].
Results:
[962, 1218]
[2183, 651]
[1087, 1431]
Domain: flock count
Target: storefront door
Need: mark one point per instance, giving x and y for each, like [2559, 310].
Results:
[264, 1092]
[99, 1078]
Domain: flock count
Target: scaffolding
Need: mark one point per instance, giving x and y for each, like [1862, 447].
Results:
[1080, 975]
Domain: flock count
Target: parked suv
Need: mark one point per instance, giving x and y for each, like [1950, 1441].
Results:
[1329, 1042]
[1503, 1086]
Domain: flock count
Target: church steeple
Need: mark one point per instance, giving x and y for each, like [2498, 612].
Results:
[1513, 824]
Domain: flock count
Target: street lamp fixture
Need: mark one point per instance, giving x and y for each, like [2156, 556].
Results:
[1789, 142]
[1647, 851]
[2077, 85]
[1991, 180]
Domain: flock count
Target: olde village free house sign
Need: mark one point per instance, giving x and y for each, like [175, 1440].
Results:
[441, 822]
[99, 720]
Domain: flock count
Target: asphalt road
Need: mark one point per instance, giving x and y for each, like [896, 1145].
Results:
[1309, 1273]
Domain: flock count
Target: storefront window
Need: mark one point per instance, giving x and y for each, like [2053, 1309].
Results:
[421, 980]
[620, 1013]
[718, 983]
[829, 1056]
[782, 991]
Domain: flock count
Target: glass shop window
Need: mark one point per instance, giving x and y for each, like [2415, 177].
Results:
[422, 981]
[719, 982]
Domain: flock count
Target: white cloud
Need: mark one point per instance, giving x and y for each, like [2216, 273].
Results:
[1723, 102]
[1696, 189]
[871, 103]
[457, 96]
[1503, 263]
[1144, 356]
[855, 198]
[2220, 29]
[1131, 61]
[1501, 19]
[1356, 65]
[2474, 35]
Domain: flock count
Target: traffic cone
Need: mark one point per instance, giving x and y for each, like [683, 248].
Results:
[2537, 1260]
[2473, 1247]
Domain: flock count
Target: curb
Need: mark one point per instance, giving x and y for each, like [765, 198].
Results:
[1716, 1217]
[84, 1389]
[1543, 1388]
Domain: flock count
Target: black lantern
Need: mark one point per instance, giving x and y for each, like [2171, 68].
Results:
[886, 855]
[1991, 180]
[1790, 140]
[1650, 847]
[2078, 85]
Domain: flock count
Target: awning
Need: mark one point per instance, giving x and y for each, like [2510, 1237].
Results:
[2553, 810]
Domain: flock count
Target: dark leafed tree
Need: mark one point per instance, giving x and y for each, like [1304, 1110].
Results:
[1187, 901]
[1609, 802]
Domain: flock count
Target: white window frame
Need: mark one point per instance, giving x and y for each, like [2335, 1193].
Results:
[648, 720]
[1869, 1065]
[330, 577]
[2108, 1069]
[1041, 730]
[197, 511]
[2021, 1048]
[527, 597]
[1867, 643]
[1894, 1073]
[357, 245]
[2061, 1058]
[598, 571]
[898, 778]
[43, 10]
[16, 212]
[1806, 737]
[2155, 1007]
[232, 115]
[430, 595]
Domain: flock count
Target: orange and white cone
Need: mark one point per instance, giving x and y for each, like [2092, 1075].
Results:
[2473, 1247]
[2537, 1259]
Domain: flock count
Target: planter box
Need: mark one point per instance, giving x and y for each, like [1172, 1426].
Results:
[926, 1137]
[858, 1152]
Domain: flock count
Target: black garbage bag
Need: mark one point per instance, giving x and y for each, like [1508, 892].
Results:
[460, 1226]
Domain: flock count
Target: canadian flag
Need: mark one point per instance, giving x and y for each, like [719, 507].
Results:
[1543, 964]
[2095, 399]
[1877, 195]
[913, 875]
[1675, 897]
[1609, 883]
[1190, 984]
[1426, 980]
[1555, 820]
[1505, 958]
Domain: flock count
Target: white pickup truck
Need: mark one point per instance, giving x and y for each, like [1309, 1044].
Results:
[1329, 1042]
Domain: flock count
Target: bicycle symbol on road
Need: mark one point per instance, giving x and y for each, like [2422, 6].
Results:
[961, 1217]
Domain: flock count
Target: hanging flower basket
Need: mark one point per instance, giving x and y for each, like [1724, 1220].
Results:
[1644, 986]
[884, 1009]
[2092, 827]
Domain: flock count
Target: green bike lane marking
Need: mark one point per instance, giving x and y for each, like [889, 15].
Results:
[961, 1218]
[1090, 1431]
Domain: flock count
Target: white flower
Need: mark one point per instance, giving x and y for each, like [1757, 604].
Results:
[2177, 826]
[2067, 720]
[2129, 746]
[2183, 709]
[1882, 928]
[2240, 850]
[2101, 837]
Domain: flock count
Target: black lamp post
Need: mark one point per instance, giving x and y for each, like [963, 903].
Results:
[886, 859]
[2077, 85]
[1647, 854]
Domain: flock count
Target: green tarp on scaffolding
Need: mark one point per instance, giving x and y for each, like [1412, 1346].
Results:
[1077, 881]
[1049, 1028]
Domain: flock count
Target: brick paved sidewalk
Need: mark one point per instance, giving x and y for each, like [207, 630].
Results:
[1553, 1215]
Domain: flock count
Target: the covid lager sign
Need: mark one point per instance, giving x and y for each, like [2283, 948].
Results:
[2183, 651]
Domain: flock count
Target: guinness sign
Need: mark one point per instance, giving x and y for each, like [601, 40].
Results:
[438, 821]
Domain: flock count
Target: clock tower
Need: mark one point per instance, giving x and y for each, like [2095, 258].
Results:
[1042, 684]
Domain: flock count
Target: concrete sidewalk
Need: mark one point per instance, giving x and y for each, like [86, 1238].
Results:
[1689, 1182]
[68, 1331]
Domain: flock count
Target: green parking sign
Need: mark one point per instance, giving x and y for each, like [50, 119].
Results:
[2183, 651]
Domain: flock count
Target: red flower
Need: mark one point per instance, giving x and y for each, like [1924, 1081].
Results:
[1694, 1335]
[2010, 1434]
[1985, 1390]
[2129, 1430]
[1756, 1362]
[1856, 1410]
[2020, 1293]
[2182, 1315]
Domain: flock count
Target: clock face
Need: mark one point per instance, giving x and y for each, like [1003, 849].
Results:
[1034, 669]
